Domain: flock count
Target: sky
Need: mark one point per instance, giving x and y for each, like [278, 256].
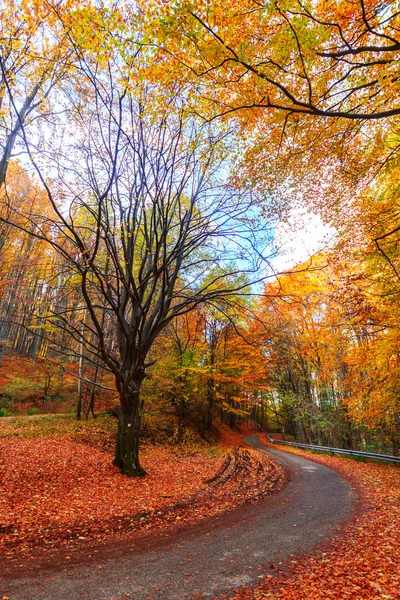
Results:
[300, 237]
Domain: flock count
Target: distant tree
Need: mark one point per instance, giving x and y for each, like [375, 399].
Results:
[35, 56]
[25, 262]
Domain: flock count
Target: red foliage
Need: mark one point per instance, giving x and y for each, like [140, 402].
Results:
[12, 366]
[27, 377]
[234, 437]
[365, 562]
[54, 491]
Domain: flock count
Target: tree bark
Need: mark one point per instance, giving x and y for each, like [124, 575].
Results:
[395, 446]
[181, 420]
[127, 447]
[210, 389]
[80, 371]
[90, 407]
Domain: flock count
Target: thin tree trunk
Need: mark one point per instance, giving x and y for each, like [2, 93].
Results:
[181, 420]
[80, 371]
[210, 392]
[80, 392]
[90, 406]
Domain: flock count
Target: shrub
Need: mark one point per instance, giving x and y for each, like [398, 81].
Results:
[6, 401]
[3, 412]
[58, 398]
[19, 388]
[32, 411]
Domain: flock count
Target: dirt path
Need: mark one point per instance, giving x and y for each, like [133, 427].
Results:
[37, 416]
[215, 557]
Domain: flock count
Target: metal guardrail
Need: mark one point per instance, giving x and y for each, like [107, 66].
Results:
[370, 455]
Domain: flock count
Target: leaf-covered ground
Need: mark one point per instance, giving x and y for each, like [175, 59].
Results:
[54, 490]
[364, 564]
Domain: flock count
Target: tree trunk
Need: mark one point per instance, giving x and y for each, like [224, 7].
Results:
[90, 406]
[210, 393]
[80, 371]
[127, 448]
[181, 420]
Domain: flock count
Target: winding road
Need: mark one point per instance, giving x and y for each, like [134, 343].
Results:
[214, 557]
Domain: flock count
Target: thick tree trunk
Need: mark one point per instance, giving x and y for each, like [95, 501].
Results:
[127, 448]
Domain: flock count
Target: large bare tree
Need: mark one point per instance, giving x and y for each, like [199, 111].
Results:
[145, 222]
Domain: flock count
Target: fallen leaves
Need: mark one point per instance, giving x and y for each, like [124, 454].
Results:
[54, 491]
[364, 564]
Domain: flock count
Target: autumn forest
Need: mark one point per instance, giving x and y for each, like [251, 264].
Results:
[150, 315]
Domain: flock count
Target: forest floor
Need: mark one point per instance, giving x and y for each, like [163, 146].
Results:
[60, 496]
[203, 560]
[59, 489]
[364, 563]
[33, 387]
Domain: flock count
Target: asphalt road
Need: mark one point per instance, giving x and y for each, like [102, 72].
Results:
[216, 556]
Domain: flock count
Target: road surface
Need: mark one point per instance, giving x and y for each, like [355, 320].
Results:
[215, 557]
